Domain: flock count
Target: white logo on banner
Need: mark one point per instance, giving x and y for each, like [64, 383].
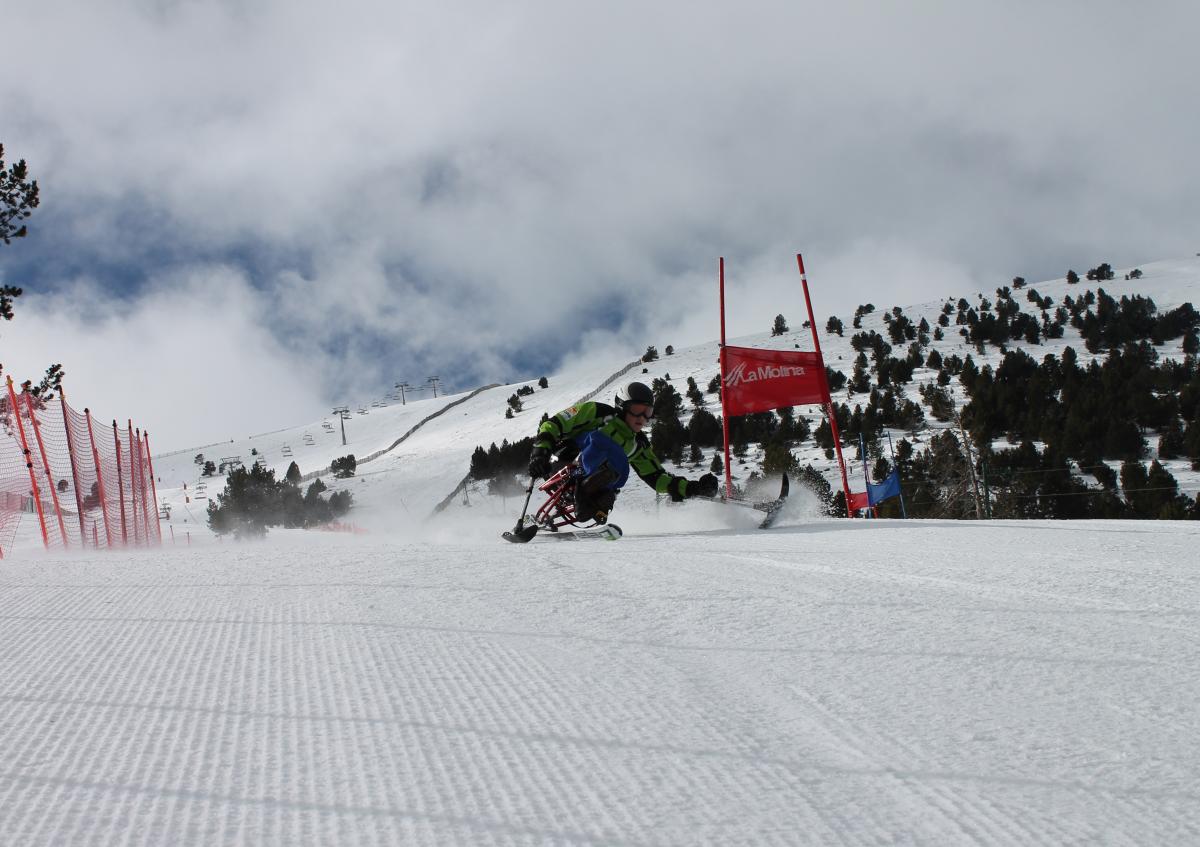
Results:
[742, 374]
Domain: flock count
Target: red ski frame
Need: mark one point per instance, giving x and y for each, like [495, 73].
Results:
[559, 510]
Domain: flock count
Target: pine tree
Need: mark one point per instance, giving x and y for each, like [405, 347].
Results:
[19, 196]
[780, 326]
[293, 474]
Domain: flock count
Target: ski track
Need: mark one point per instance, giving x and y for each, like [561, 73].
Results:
[819, 684]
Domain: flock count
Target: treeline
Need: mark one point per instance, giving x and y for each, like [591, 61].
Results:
[1068, 423]
[254, 500]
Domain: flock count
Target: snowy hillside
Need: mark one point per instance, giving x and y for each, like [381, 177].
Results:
[402, 483]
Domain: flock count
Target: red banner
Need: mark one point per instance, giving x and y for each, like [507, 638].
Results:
[859, 500]
[759, 380]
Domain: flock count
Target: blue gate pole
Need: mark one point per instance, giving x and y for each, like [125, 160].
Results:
[896, 468]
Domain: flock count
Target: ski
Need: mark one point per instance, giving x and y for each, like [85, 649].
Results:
[771, 507]
[608, 532]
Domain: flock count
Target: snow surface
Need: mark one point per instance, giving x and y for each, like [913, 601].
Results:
[827, 682]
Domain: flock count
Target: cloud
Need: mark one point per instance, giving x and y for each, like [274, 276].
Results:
[185, 370]
[475, 189]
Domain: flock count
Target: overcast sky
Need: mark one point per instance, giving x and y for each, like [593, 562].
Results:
[253, 210]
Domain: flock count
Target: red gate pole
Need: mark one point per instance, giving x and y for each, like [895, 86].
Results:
[74, 467]
[154, 489]
[724, 410]
[37, 436]
[120, 486]
[37, 497]
[837, 438]
[87, 413]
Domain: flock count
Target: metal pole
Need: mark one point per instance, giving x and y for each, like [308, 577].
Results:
[896, 468]
[37, 497]
[837, 438]
[862, 448]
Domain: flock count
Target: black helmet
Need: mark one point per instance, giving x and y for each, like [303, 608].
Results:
[633, 393]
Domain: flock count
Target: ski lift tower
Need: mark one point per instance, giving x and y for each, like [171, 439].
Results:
[434, 380]
[342, 412]
[402, 386]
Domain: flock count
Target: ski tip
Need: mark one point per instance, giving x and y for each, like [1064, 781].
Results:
[614, 532]
[520, 536]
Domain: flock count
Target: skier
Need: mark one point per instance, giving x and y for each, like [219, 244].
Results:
[607, 441]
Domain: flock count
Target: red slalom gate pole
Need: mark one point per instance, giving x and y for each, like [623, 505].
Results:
[724, 410]
[837, 438]
[37, 497]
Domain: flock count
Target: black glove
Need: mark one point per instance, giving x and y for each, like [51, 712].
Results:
[705, 486]
[539, 462]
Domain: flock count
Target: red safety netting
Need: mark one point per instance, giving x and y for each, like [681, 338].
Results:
[15, 500]
[91, 484]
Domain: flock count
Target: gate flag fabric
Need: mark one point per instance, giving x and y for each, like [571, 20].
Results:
[761, 380]
[877, 492]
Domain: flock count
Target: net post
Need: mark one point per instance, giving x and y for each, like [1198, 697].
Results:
[37, 436]
[153, 489]
[62, 396]
[87, 413]
[37, 497]
[134, 487]
[120, 486]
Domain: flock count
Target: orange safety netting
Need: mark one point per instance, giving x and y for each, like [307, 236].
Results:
[87, 484]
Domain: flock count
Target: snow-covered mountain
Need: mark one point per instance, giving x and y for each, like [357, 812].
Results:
[414, 457]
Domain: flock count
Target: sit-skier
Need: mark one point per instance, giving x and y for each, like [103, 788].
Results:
[606, 441]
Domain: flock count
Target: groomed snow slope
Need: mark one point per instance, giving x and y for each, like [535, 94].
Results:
[833, 682]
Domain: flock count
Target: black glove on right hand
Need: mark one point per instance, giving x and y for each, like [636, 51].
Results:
[705, 486]
[539, 462]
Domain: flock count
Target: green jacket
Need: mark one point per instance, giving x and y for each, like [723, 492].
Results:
[571, 423]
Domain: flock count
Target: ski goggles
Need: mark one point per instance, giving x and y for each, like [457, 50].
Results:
[645, 415]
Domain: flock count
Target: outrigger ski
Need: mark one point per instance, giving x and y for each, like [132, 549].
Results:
[771, 507]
